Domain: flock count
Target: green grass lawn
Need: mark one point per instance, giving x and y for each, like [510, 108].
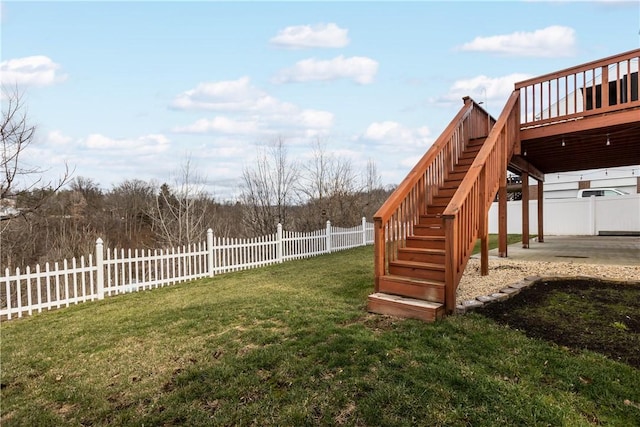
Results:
[292, 345]
[493, 241]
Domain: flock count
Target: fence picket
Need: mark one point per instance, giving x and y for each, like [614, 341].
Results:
[74, 277]
[64, 280]
[39, 288]
[84, 279]
[56, 268]
[19, 295]
[48, 283]
[29, 298]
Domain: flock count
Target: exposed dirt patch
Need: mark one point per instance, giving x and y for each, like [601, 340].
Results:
[577, 313]
[378, 324]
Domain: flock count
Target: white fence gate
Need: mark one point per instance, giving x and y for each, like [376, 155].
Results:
[112, 271]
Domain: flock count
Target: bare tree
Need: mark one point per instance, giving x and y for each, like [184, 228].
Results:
[268, 188]
[372, 180]
[179, 213]
[129, 203]
[17, 133]
[329, 187]
[374, 194]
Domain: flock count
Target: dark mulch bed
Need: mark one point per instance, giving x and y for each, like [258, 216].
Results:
[577, 313]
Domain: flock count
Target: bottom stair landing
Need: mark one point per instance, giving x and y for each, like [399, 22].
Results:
[395, 305]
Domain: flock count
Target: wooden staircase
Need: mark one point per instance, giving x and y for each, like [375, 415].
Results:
[414, 285]
[426, 230]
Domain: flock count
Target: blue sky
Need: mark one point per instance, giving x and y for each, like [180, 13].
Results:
[125, 90]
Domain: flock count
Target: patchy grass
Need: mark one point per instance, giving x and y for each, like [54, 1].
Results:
[292, 344]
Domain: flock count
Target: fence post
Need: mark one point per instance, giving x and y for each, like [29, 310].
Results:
[210, 253]
[328, 234]
[279, 243]
[592, 216]
[364, 231]
[100, 268]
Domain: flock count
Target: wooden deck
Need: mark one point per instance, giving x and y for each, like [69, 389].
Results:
[584, 117]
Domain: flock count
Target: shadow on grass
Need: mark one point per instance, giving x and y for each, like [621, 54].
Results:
[589, 314]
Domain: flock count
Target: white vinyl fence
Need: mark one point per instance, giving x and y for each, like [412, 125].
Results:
[587, 216]
[111, 271]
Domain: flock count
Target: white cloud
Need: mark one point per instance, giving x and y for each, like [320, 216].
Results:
[31, 71]
[307, 36]
[148, 144]
[56, 137]
[553, 41]
[360, 69]
[219, 124]
[231, 95]
[482, 88]
[393, 133]
[314, 119]
[256, 111]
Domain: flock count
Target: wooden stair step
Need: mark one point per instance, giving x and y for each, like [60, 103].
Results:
[465, 161]
[471, 151]
[418, 270]
[456, 175]
[440, 200]
[450, 183]
[409, 287]
[477, 142]
[434, 256]
[426, 242]
[436, 209]
[447, 192]
[428, 229]
[460, 168]
[469, 154]
[394, 305]
[418, 265]
[438, 205]
[426, 219]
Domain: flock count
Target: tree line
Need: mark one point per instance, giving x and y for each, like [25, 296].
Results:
[49, 221]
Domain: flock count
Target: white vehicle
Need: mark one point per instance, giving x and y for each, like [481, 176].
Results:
[588, 192]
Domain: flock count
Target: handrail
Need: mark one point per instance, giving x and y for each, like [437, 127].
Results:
[394, 221]
[387, 209]
[603, 86]
[465, 217]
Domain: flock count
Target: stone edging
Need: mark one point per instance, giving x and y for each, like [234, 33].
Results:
[515, 288]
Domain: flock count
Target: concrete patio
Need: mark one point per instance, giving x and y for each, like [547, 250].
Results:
[611, 250]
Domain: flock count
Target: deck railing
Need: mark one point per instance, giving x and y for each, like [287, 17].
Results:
[394, 221]
[465, 217]
[597, 87]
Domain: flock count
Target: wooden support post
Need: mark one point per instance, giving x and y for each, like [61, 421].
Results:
[450, 252]
[502, 197]
[378, 252]
[502, 217]
[484, 225]
[525, 210]
[540, 211]
[484, 248]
